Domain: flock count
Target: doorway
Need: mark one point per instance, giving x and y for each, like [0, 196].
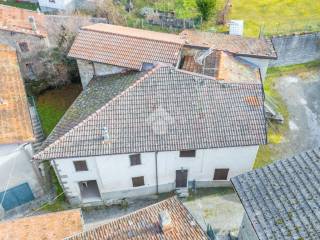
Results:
[181, 178]
[89, 191]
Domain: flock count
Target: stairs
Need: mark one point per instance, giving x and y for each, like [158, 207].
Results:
[182, 192]
[36, 124]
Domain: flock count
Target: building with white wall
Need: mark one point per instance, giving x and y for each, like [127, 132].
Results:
[143, 132]
[19, 177]
[67, 6]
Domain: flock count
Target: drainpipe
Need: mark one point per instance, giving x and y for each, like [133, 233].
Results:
[157, 181]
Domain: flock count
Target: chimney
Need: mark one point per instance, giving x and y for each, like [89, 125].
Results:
[32, 21]
[165, 221]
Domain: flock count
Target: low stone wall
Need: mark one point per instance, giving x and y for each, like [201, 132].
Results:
[296, 48]
[69, 24]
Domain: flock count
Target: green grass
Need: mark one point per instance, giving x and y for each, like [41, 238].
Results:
[277, 132]
[277, 15]
[26, 5]
[52, 104]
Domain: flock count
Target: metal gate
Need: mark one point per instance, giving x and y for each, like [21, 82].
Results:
[16, 196]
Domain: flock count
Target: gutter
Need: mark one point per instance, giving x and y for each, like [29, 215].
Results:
[157, 180]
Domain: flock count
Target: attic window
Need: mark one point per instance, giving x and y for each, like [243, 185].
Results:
[252, 101]
[188, 153]
[52, 1]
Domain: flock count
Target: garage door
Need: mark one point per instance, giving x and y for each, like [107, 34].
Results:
[16, 196]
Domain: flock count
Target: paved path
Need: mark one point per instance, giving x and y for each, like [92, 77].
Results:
[302, 96]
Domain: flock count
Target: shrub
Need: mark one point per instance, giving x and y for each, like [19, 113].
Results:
[206, 8]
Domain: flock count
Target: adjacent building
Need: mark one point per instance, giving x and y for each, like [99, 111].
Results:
[66, 6]
[168, 219]
[52, 226]
[281, 200]
[25, 31]
[19, 177]
[256, 51]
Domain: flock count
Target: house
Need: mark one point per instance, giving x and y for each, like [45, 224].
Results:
[256, 51]
[135, 133]
[20, 181]
[52, 226]
[102, 49]
[281, 200]
[25, 31]
[49, 6]
[168, 219]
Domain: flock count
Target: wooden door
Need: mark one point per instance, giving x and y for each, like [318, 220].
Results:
[181, 178]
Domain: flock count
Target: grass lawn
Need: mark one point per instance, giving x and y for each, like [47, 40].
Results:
[276, 132]
[287, 15]
[26, 5]
[52, 104]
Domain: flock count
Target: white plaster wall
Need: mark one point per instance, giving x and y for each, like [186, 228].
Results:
[58, 4]
[15, 165]
[87, 70]
[262, 63]
[113, 173]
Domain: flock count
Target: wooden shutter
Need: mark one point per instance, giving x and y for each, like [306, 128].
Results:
[80, 166]
[138, 181]
[135, 159]
[221, 174]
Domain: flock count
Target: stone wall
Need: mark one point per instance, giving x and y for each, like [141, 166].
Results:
[70, 25]
[34, 44]
[295, 49]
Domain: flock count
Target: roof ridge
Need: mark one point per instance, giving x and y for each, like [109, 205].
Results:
[183, 41]
[142, 78]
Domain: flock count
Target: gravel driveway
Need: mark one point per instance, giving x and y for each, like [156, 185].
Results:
[302, 96]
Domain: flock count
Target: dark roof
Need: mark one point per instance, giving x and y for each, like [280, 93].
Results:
[99, 91]
[125, 47]
[282, 200]
[239, 45]
[145, 224]
[165, 110]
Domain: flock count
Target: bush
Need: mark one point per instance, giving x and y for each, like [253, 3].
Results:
[206, 8]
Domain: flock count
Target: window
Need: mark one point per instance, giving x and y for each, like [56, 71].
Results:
[24, 47]
[52, 1]
[80, 166]
[135, 159]
[188, 153]
[137, 181]
[221, 174]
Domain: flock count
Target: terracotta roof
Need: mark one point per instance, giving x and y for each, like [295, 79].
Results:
[15, 122]
[52, 226]
[224, 66]
[234, 69]
[17, 20]
[230, 43]
[125, 47]
[145, 224]
[195, 112]
[282, 200]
